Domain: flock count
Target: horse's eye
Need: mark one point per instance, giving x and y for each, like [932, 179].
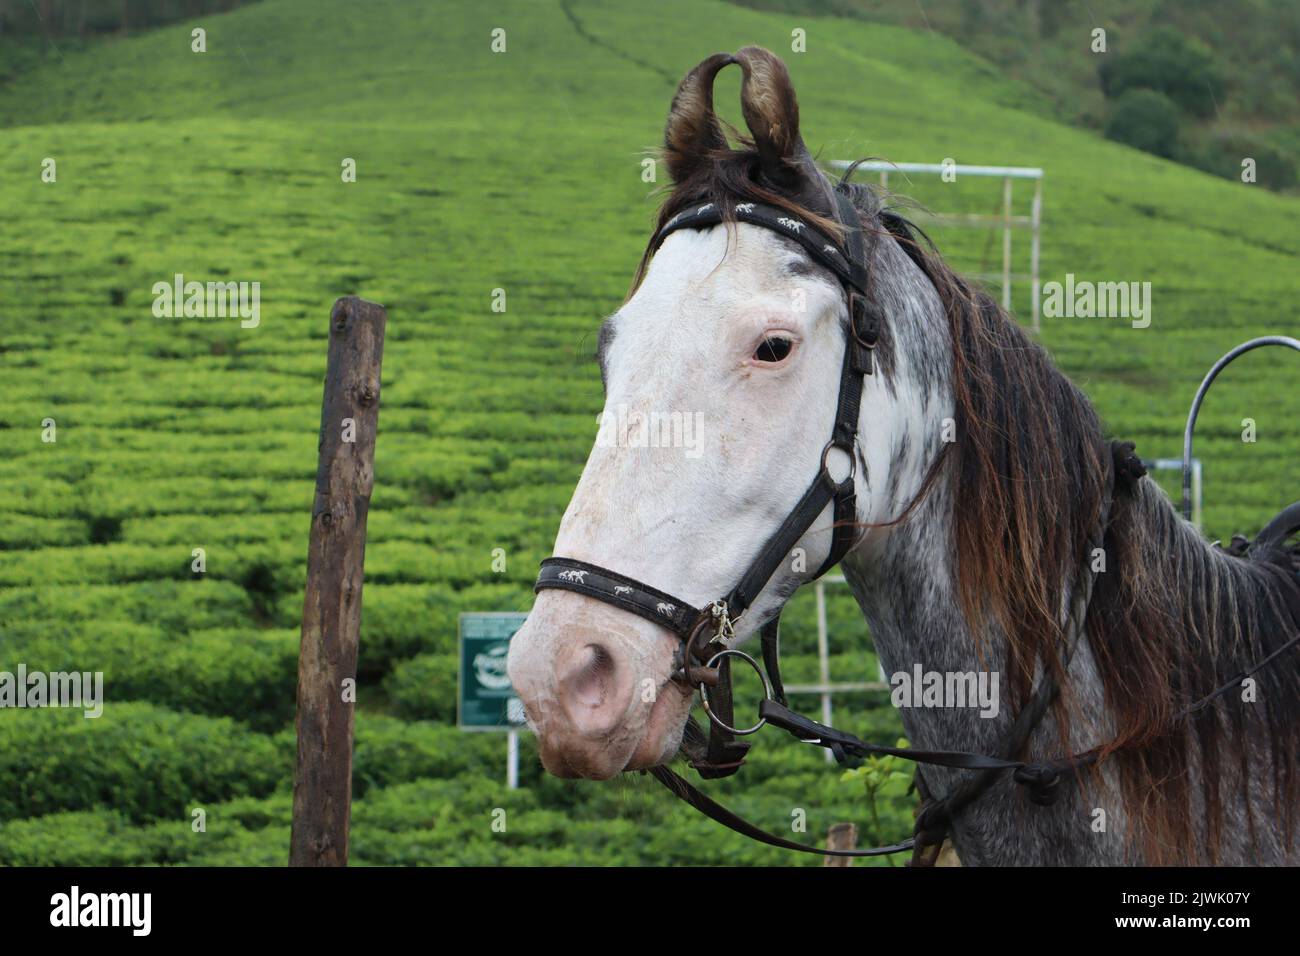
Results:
[773, 349]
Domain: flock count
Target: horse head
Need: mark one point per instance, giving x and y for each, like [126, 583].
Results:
[720, 374]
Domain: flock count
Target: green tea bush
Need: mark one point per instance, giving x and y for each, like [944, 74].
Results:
[246, 673]
[402, 620]
[424, 688]
[87, 838]
[390, 751]
[239, 847]
[143, 761]
[25, 532]
[241, 832]
[172, 606]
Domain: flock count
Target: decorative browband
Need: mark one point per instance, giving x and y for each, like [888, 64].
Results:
[818, 245]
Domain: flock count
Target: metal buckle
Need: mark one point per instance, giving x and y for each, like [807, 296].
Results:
[724, 630]
[704, 696]
[692, 650]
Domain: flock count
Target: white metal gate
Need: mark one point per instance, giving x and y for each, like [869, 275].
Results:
[1006, 221]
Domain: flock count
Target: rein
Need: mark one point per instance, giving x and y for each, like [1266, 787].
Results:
[704, 655]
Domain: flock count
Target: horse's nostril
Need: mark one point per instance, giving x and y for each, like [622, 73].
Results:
[592, 681]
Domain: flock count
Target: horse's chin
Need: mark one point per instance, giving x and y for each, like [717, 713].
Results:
[664, 727]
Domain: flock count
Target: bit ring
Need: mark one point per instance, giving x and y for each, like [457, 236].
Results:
[704, 694]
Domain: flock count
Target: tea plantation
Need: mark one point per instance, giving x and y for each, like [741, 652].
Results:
[476, 171]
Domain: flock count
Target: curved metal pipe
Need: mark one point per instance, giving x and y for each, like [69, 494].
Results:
[1200, 397]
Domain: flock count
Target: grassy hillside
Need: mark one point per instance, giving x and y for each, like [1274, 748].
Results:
[475, 171]
[1254, 44]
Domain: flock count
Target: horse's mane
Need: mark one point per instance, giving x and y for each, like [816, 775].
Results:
[1169, 620]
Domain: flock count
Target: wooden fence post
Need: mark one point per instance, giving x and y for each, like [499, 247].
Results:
[331, 616]
[842, 836]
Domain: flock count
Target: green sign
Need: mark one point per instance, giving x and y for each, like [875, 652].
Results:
[487, 701]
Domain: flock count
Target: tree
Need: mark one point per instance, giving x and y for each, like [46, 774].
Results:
[1145, 120]
[1164, 60]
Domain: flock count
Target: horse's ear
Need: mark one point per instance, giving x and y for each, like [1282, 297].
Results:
[693, 130]
[771, 112]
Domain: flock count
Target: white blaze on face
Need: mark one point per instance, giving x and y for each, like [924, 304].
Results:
[686, 523]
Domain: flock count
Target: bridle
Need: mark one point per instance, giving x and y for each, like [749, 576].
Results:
[693, 625]
[704, 656]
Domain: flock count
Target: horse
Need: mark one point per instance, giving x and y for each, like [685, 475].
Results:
[993, 528]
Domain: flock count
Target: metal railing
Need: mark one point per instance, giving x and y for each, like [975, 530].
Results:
[1006, 220]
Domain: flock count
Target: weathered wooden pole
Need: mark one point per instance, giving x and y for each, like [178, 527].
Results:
[842, 836]
[331, 616]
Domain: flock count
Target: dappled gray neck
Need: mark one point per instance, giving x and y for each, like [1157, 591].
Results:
[906, 580]
[908, 593]
[916, 335]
